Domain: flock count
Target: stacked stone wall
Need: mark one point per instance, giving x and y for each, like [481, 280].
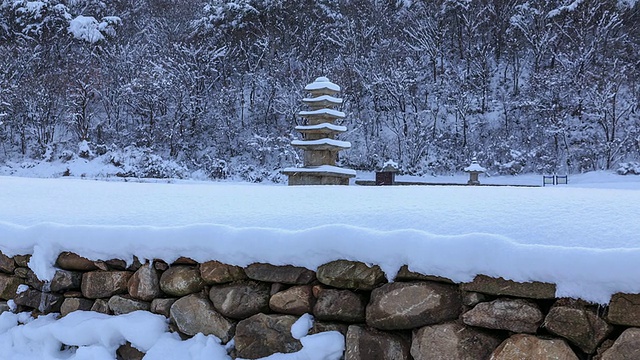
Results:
[417, 316]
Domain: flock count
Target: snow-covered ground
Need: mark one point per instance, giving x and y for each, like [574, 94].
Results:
[584, 236]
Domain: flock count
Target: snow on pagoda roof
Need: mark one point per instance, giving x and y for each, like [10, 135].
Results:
[474, 167]
[331, 112]
[320, 142]
[327, 98]
[322, 83]
[326, 169]
[322, 126]
[390, 165]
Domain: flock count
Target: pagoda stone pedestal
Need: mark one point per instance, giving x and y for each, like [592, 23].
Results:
[319, 138]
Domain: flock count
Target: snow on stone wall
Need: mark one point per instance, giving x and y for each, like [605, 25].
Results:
[255, 309]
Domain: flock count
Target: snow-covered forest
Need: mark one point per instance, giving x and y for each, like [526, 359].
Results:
[184, 85]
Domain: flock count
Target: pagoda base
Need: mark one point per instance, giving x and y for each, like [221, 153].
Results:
[309, 179]
[321, 175]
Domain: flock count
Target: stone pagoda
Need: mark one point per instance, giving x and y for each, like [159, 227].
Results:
[319, 143]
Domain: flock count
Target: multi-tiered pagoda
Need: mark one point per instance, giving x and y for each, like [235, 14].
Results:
[319, 138]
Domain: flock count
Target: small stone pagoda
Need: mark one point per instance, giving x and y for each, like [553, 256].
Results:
[319, 144]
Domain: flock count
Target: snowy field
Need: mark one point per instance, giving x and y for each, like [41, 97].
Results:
[584, 236]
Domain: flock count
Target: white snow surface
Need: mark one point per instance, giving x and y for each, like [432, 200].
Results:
[322, 83]
[302, 326]
[321, 169]
[324, 141]
[330, 126]
[90, 335]
[327, 98]
[330, 112]
[475, 167]
[584, 237]
[85, 28]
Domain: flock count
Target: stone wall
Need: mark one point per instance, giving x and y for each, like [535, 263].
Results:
[415, 317]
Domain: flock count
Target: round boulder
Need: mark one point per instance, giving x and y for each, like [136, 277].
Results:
[398, 306]
[181, 280]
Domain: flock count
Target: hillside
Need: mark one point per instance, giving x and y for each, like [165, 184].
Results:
[214, 87]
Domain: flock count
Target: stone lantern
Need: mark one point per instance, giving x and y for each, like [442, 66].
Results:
[319, 138]
[474, 170]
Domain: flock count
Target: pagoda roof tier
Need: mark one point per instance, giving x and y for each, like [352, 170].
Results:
[322, 101]
[326, 112]
[322, 86]
[322, 83]
[321, 170]
[322, 144]
[321, 128]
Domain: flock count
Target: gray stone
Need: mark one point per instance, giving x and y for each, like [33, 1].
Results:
[4, 307]
[320, 326]
[452, 341]
[43, 302]
[240, 300]
[578, 324]
[296, 300]
[128, 352]
[626, 346]
[22, 272]
[160, 265]
[135, 264]
[370, 344]
[181, 280]
[277, 287]
[404, 274]
[33, 281]
[101, 306]
[123, 305]
[516, 315]
[287, 274]
[350, 275]
[71, 261]
[72, 294]
[606, 345]
[215, 272]
[64, 280]
[471, 298]
[116, 264]
[398, 306]
[182, 260]
[624, 309]
[340, 305]
[102, 284]
[144, 284]
[70, 305]
[7, 264]
[8, 286]
[162, 306]
[101, 265]
[535, 349]
[194, 314]
[262, 335]
[22, 260]
[501, 287]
